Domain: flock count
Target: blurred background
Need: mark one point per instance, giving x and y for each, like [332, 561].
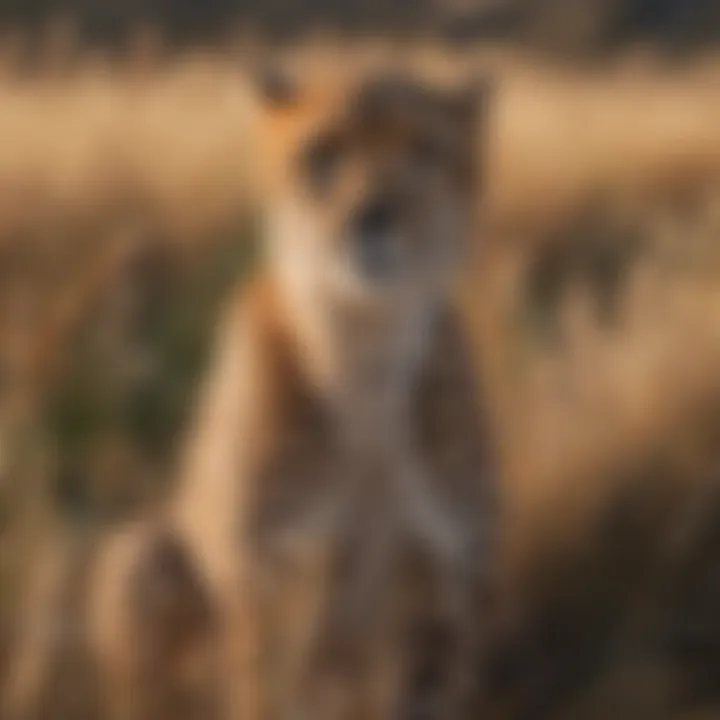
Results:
[127, 210]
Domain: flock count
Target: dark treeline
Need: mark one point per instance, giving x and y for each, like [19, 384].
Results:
[569, 25]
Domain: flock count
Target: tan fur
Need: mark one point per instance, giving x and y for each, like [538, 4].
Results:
[314, 502]
[336, 502]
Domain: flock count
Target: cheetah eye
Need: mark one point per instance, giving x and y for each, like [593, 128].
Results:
[321, 160]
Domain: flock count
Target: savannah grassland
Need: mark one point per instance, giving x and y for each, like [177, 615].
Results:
[127, 208]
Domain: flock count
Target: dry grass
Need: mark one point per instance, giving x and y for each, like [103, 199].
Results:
[607, 426]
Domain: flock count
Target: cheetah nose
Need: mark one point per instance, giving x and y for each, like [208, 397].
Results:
[375, 244]
[374, 221]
